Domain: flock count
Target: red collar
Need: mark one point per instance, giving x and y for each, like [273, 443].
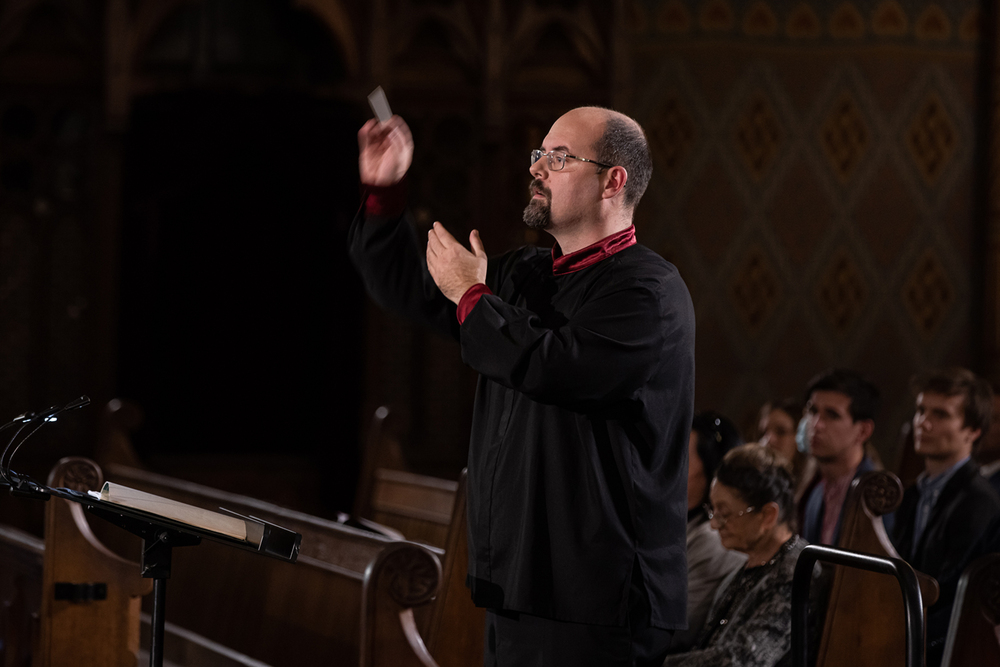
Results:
[592, 254]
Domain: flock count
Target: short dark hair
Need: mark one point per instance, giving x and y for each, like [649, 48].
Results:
[863, 394]
[624, 144]
[716, 435]
[789, 405]
[978, 395]
[760, 476]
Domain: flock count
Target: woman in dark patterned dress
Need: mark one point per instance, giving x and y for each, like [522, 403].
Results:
[749, 624]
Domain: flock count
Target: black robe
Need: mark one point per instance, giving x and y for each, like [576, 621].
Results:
[578, 457]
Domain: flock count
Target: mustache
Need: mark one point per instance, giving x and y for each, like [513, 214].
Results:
[536, 186]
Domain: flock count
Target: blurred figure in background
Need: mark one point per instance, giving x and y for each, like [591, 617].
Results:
[777, 426]
[712, 436]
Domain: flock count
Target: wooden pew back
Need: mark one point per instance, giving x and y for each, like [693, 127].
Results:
[418, 506]
[85, 632]
[974, 631]
[281, 613]
[864, 624]
[21, 557]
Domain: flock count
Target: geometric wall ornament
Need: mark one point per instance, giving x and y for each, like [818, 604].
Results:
[841, 292]
[933, 24]
[758, 136]
[716, 15]
[671, 135]
[844, 137]
[931, 139]
[755, 290]
[760, 20]
[674, 17]
[889, 19]
[847, 22]
[803, 22]
[968, 29]
[928, 294]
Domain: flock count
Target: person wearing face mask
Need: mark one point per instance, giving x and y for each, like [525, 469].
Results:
[777, 426]
[749, 624]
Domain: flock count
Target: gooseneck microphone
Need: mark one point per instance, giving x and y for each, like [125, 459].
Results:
[22, 485]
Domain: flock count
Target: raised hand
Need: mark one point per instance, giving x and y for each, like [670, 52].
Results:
[385, 151]
[453, 268]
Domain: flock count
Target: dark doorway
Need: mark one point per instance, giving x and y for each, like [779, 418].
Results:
[241, 314]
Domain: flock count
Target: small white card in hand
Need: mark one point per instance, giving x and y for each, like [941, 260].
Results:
[380, 105]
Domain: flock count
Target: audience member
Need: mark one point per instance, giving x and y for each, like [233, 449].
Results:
[943, 518]
[777, 427]
[749, 624]
[712, 436]
[840, 413]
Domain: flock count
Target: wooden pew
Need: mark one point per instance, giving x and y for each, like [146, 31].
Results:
[422, 508]
[83, 625]
[96, 632]
[21, 557]
[418, 506]
[864, 624]
[974, 632]
[284, 614]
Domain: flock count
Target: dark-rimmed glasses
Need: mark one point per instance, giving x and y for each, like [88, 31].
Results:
[723, 520]
[558, 160]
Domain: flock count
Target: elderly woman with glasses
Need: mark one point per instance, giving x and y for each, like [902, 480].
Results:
[749, 624]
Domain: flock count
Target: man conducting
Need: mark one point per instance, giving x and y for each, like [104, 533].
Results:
[577, 461]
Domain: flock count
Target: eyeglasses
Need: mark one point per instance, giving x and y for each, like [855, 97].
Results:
[723, 520]
[558, 160]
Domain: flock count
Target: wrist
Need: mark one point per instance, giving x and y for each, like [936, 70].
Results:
[384, 200]
[469, 300]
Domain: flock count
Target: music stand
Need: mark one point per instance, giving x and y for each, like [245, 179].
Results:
[161, 534]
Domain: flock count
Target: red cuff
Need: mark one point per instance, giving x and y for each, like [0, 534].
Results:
[388, 201]
[470, 299]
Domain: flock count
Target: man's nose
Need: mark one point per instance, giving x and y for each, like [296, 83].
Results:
[539, 169]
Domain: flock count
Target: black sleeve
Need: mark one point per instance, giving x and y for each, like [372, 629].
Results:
[393, 266]
[608, 349]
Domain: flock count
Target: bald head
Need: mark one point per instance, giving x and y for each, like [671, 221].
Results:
[620, 141]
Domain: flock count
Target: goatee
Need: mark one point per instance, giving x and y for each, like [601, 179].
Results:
[537, 214]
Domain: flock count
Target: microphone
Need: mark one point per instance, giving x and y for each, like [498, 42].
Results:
[22, 485]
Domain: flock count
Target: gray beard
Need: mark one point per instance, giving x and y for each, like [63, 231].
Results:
[537, 215]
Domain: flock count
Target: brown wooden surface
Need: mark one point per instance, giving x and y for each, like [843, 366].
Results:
[20, 595]
[974, 633]
[403, 576]
[280, 613]
[864, 624]
[455, 631]
[418, 506]
[102, 633]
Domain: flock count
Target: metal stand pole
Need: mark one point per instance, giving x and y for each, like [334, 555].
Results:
[158, 621]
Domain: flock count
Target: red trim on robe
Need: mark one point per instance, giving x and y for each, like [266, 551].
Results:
[470, 299]
[592, 254]
[388, 201]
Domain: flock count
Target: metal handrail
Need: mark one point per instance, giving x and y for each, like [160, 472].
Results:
[912, 602]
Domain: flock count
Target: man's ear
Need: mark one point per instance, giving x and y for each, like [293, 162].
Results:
[614, 182]
[867, 428]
